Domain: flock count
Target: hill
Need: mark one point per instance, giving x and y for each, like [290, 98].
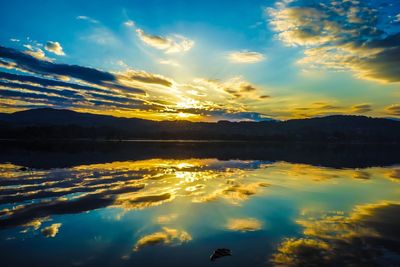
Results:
[47, 123]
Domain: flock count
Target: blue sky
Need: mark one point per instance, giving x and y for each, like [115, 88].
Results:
[223, 59]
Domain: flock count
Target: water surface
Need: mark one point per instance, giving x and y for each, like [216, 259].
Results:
[157, 204]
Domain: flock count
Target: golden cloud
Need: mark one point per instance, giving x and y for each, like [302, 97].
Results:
[52, 230]
[393, 110]
[54, 47]
[334, 239]
[246, 57]
[244, 225]
[168, 236]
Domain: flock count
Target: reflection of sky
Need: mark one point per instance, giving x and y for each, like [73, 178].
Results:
[124, 212]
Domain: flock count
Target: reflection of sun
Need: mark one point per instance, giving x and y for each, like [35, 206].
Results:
[184, 165]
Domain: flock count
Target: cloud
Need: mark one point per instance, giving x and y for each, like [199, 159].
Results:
[340, 35]
[87, 19]
[36, 53]
[393, 110]
[132, 93]
[361, 108]
[171, 44]
[52, 230]
[168, 236]
[169, 62]
[236, 116]
[129, 23]
[244, 225]
[145, 77]
[55, 48]
[246, 57]
[32, 64]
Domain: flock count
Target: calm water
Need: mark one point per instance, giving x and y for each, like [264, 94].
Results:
[172, 204]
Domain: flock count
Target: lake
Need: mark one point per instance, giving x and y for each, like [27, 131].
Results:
[173, 203]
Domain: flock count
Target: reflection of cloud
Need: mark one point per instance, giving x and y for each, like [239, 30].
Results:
[167, 236]
[52, 230]
[341, 35]
[233, 191]
[55, 48]
[171, 44]
[165, 219]
[141, 202]
[33, 225]
[336, 240]
[395, 175]
[244, 225]
[245, 57]
[362, 175]
[301, 252]
[127, 185]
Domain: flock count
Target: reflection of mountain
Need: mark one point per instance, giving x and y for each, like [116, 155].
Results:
[47, 155]
[51, 123]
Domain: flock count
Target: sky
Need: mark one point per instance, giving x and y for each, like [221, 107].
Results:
[202, 60]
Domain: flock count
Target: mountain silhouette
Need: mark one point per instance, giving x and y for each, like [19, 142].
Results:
[48, 123]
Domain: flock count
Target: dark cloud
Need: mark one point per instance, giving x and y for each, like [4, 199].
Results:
[41, 90]
[362, 108]
[46, 82]
[247, 88]
[145, 77]
[27, 96]
[90, 75]
[393, 110]
[26, 213]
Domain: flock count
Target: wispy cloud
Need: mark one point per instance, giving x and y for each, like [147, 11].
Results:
[169, 62]
[246, 57]
[393, 110]
[89, 19]
[129, 23]
[362, 108]
[170, 44]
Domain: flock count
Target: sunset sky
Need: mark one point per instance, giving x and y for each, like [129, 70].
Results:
[202, 60]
